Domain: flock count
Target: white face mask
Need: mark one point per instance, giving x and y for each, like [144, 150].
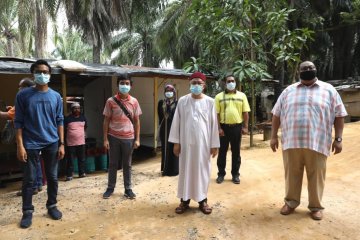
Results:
[231, 86]
[169, 94]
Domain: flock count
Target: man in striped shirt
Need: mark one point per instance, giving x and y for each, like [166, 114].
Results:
[121, 129]
[306, 111]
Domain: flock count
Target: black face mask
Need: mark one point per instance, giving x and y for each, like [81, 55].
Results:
[308, 75]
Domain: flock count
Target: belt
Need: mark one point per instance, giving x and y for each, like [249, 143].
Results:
[231, 125]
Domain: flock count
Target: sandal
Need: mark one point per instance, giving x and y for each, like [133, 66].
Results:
[182, 208]
[204, 207]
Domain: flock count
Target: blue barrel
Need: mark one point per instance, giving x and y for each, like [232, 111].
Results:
[90, 164]
[101, 162]
[75, 165]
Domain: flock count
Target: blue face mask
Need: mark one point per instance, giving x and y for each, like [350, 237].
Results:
[196, 89]
[169, 94]
[124, 88]
[42, 79]
[231, 86]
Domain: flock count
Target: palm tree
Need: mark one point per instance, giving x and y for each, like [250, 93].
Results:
[8, 19]
[97, 19]
[34, 16]
[175, 36]
[69, 45]
[136, 44]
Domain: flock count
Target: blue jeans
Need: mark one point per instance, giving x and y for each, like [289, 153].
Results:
[38, 176]
[49, 155]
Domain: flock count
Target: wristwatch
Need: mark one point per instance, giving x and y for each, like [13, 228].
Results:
[61, 143]
[338, 139]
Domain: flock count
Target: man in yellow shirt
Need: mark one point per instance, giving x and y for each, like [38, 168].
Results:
[232, 109]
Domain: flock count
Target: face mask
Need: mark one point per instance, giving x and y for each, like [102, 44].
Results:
[169, 94]
[308, 75]
[196, 89]
[124, 88]
[231, 86]
[42, 79]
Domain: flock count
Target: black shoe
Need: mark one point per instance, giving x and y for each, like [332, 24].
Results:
[220, 179]
[108, 193]
[26, 220]
[236, 180]
[82, 175]
[54, 213]
[68, 179]
[129, 194]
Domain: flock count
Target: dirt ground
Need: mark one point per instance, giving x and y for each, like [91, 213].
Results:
[246, 211]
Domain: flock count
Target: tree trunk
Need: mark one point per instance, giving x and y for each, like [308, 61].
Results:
[343, 40]
[40, 30]
[96, 53]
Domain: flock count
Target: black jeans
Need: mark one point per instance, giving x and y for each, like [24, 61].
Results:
[49, 155]
[75, 152]
[232, 135]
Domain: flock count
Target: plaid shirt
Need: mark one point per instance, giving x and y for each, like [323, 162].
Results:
[307, 114]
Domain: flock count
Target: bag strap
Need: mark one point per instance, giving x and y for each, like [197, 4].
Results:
[124, 109]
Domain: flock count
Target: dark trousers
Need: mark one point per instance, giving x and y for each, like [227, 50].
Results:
[120, 152]
[38, 181]
[49, 155]
[232, 136]
[75, 152]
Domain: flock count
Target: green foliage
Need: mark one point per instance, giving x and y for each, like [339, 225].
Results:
[249, 38]
[69, 45]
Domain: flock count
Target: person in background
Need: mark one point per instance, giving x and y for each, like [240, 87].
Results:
[306, 112]
[75, 125]
[232, 108]
[121, 129]
[39, 128]
[194, 132]
[10, 115]
[166, 111]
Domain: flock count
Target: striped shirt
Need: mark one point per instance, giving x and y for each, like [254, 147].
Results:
[231, 106]
[307, 115]
[120, 125]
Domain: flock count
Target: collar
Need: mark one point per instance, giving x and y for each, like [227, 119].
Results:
[316, 83]
[228, 92]
[118, 96]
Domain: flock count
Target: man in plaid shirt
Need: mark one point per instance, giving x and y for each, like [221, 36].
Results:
[306, 111]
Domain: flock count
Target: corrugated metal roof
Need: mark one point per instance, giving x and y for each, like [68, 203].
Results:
[22, 66]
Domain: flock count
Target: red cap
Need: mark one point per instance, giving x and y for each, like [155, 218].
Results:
[198, 75]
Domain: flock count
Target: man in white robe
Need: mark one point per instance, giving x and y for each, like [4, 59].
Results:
[194, 132]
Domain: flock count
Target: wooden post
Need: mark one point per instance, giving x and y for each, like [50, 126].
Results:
[63, 86]
[156, 80]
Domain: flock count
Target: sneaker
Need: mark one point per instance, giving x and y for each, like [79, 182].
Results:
[129, 194]
[82, 175]
[108, 193]
[68, 179]
[54, 213]
[26, 220]
[220, 179]
[236, 180]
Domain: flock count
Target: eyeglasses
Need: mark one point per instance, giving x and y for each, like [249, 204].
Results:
[41, 71]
